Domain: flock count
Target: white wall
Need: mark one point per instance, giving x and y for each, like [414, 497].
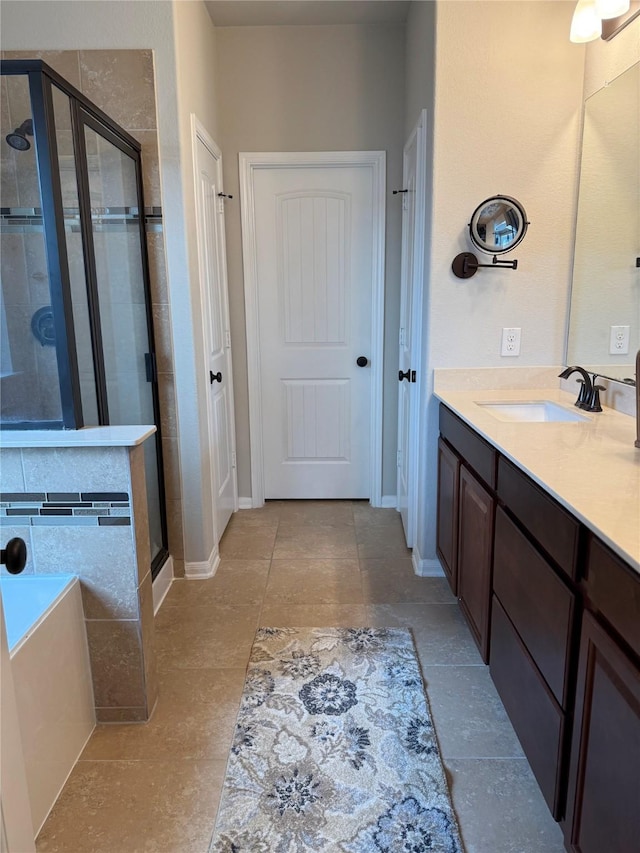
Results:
[182, 37]
[196, 80]
[312, 89]
[605, 60]
[507, 118]
[420, 69]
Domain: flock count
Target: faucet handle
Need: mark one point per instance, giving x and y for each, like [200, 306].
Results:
[594, 403]
[583, 397]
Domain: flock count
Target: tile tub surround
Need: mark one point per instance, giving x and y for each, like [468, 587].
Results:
[592, 468]
[52, 682]
[78, 499]
[66, 508]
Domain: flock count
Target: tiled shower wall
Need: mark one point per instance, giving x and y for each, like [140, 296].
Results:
[121, 82]
[83, 511]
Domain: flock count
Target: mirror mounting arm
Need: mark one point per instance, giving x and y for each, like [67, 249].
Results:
[466, 264]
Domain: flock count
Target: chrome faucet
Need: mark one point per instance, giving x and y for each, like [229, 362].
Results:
[586, 388]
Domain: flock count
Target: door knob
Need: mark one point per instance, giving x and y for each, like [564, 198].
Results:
[362, 361]
[14, 556]
[406, 375]
[215, 377]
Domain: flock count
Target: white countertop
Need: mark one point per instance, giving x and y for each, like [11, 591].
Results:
[97, 436]
[592, 468]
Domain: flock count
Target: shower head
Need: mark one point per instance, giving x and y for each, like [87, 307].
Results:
[18, 139]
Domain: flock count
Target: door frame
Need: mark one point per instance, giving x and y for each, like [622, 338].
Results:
[199, 133]
[419, 132]
[249, 164]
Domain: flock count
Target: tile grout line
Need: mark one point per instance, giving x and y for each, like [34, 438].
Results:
[266, 586]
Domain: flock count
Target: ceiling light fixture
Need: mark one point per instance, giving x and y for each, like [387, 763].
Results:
[586, 24]
[612, 8]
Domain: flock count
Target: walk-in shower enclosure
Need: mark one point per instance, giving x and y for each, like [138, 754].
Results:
[76, 333]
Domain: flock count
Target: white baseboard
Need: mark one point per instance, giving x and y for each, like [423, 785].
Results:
[203, 569]
[162, 584]
[388, 502]
[426, 568]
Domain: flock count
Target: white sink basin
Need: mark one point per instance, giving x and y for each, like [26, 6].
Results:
[532, 411]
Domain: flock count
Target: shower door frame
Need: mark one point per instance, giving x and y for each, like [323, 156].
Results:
[41, 78]
[46, 151]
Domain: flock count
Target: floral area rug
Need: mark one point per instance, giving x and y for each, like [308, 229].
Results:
[334, 749]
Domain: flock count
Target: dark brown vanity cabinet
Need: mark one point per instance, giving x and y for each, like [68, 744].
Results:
[604, 783]
[531, 638]
[475, 550]
[466, 510]
[448, 492]
[603, 804]
[559, 614]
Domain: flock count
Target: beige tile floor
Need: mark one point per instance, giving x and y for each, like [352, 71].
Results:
[155, 787]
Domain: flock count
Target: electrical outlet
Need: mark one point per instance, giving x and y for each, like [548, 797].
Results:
[510, 341]
[619, 340]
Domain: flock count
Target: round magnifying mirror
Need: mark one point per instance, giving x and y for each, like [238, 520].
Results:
[498, 224]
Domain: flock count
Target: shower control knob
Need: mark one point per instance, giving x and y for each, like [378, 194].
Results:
[14, 556]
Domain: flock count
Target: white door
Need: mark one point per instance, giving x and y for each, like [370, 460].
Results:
[316, 255]
[413, 204]
[215, 311]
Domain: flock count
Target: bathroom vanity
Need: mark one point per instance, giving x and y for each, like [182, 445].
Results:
[539, 536]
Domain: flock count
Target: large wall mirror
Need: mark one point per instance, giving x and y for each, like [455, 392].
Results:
[606, 278]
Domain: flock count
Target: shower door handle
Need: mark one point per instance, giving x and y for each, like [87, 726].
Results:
[14, 556]
[151, 366]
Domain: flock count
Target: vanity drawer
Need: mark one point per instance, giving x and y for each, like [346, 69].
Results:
[477, 453]
[613, 589]
[536, 716]
[555, 529]
[539, 604]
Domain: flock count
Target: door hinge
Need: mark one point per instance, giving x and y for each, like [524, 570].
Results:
[233, 459]
[399, 459]
[401, 337]
[405, 205]
[227, 338]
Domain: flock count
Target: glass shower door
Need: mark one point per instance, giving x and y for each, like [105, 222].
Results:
[119, 277]
[29, 371]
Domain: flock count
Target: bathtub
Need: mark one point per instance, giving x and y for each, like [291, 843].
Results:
[52, 680]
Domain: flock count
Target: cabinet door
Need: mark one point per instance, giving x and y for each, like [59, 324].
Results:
[604, 780]
[448, 490]
[475, 550]
[536, 716]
